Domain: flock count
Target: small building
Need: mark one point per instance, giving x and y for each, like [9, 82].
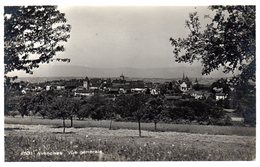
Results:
[83, 93]
[221, 96]
[60, 87]
[197, 95]
[113, 90]
[155, 92]
[23, 92]
[185, 84]
[122, 91]
[49, 87]
[183, 87]
[137, 90]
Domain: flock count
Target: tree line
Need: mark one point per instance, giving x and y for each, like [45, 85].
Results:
[134, 107]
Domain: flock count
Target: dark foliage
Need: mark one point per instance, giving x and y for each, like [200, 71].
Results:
[227, 41]
[33, 30]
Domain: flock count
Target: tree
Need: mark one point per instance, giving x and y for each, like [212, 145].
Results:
[148, 91]
[73, 108]
[221, 84]
[84, 111]
[13, 113]
[170, 86]
[24, 105]
[111, 111]
[41, 103]
[97, 107]
[60, 110]
[99, 113]
[10, 103]
[124, 107]
[138, 108]
[228, 41]
[33, 35]
[154, 110]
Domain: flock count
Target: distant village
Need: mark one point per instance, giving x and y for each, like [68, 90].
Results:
[174, 90]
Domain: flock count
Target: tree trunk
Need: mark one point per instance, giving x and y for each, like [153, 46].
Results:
[64, 126]
[139, 127]
[71, 121]
[155, 126]
[110, 126]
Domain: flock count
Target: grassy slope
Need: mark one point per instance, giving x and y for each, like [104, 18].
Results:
[200, 129]
[124, 144]
[121, 145]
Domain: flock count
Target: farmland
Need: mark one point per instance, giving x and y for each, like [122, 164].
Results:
[32, 139]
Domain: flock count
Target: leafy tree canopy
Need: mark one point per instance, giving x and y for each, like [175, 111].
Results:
[227, 41]
[33, 35]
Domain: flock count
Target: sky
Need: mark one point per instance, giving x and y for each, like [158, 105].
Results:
[125, 36]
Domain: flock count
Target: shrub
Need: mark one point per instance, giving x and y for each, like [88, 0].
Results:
[14, 113]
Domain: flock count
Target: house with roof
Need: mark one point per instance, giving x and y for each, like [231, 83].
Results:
[183, 87]
[220, 96]
[79, 92]
[197, 94]
[49, 87]
[138, 90]
[154, 92]
[83, 93]
[185, 84]
[60, 87]
[113, 90]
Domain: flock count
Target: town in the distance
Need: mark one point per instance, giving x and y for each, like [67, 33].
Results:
[221, 91]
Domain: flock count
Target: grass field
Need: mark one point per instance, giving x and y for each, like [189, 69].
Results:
[162, 127]
[45, 142]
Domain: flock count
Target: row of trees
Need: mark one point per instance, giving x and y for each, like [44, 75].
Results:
[134, 107]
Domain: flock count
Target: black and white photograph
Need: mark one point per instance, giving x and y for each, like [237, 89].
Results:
[86, 83]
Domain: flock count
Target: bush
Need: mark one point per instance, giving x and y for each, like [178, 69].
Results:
[249, 115]
[14, 113]
[226, 120]
[204, 112]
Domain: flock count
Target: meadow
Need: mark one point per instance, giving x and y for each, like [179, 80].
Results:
[92, 141]
[161, 127]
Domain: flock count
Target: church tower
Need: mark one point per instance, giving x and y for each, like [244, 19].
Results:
[122, 77]
[183, 77]
[86, 83]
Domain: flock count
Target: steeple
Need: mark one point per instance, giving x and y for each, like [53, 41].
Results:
[122, 76]
[196, 81]
[86, 83]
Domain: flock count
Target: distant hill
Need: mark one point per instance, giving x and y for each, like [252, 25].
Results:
[81, 71]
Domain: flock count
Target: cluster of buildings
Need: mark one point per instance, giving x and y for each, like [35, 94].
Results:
[114, 87]
[173, 90]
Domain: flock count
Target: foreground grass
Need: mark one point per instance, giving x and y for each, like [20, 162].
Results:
[161, 127]
[45, 143]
